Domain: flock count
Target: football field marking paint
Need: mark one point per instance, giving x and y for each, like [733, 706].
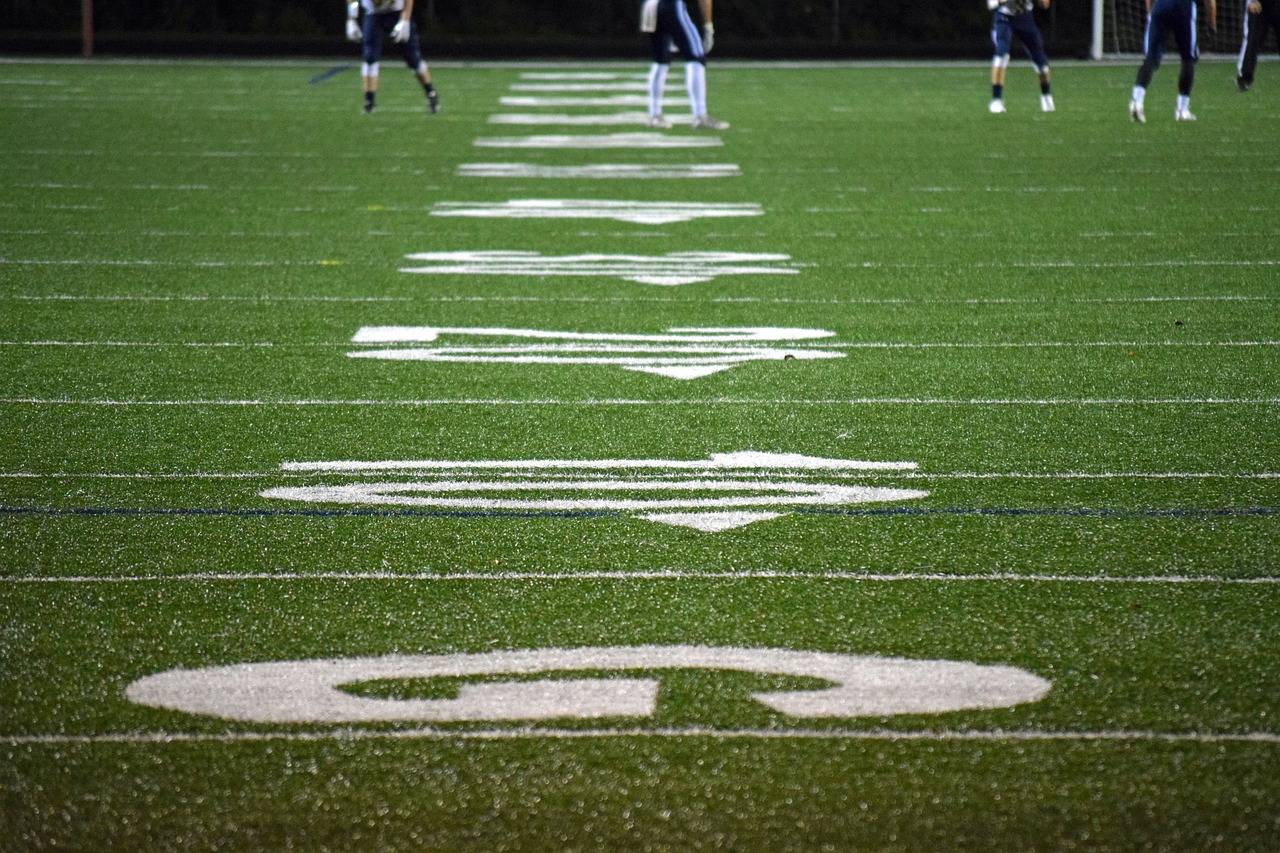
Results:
[583, 75]
[643, 576]
[309, 691]
[726, 491]
[889, 736]
[70, 297]
[831, 346]
[1153, 264]
[640, 403]
[640, 212]
[668, 270]
[143, 262]
[681, 353]
[585, 101]
[585, 86]
[897, 473]
[609, 171]
[583, 120]
[612, 140]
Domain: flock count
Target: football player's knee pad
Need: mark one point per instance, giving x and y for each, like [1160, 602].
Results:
[369, 69]
[1000, 61]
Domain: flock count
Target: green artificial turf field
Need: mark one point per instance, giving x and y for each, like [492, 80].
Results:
[876, 474]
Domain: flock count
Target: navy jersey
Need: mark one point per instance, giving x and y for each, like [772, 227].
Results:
[1014, 7]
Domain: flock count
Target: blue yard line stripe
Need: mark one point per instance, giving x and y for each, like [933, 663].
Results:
[1005, 512]
[332, 72]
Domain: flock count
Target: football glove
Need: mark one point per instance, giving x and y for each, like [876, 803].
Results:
[400, 32]
[353, 30]
[708, 37]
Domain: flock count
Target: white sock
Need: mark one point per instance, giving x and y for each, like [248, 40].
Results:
[1139, 95]
[1184, 103]
[695, 81]
[657, 80]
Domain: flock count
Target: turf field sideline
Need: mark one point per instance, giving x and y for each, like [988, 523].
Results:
[877, 473]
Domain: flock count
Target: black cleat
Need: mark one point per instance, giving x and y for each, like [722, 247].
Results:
[433, 102]
[1243, 84]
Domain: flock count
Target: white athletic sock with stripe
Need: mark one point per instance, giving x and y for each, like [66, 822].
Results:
[695, 81]
[657, 80]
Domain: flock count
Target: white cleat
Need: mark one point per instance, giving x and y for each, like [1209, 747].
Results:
[659, 122]
[996, 106]
[1046, 103]
[1183, 115]
[706, 122]
[1135, 112]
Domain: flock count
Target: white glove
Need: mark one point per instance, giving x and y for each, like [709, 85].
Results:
[353, 30]
[400, 32]
[708, 37]
[992, 4]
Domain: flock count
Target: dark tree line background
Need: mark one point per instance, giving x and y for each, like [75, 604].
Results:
[531, 28]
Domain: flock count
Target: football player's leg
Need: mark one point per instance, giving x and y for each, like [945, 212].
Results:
[1184, 35]
[1152, 53]
[1247, 62]
[1001, 42]
[999, 68]
[371, 53]
[658, 70]
[412, 53]
[695, 83]
[686, 38]
[1034, 45]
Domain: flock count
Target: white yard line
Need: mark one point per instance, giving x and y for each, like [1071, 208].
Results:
[830, 346]
[909, 475]
[762, 300]
[144, 262]
[67, 297]
[717, 401]
[641, 575]
[1260, 738]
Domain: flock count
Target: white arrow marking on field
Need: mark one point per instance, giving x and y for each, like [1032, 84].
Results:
[641, 212]
[727, 490]
[682, 353]
[598, 141]
[310, 691]
[627, 171]
[671, 269]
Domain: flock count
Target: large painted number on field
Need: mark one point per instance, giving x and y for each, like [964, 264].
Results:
[303, 691]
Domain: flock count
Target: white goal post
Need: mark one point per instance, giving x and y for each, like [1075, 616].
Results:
[1118, 26]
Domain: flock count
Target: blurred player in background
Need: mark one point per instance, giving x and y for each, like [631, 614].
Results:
[1178, 17]
[667, 22]
[1260, 16]
[385, 19]
[1014, 17]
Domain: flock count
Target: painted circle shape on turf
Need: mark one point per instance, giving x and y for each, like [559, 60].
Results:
[308, 691]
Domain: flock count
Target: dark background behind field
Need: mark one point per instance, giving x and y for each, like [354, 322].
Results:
[487, 29]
